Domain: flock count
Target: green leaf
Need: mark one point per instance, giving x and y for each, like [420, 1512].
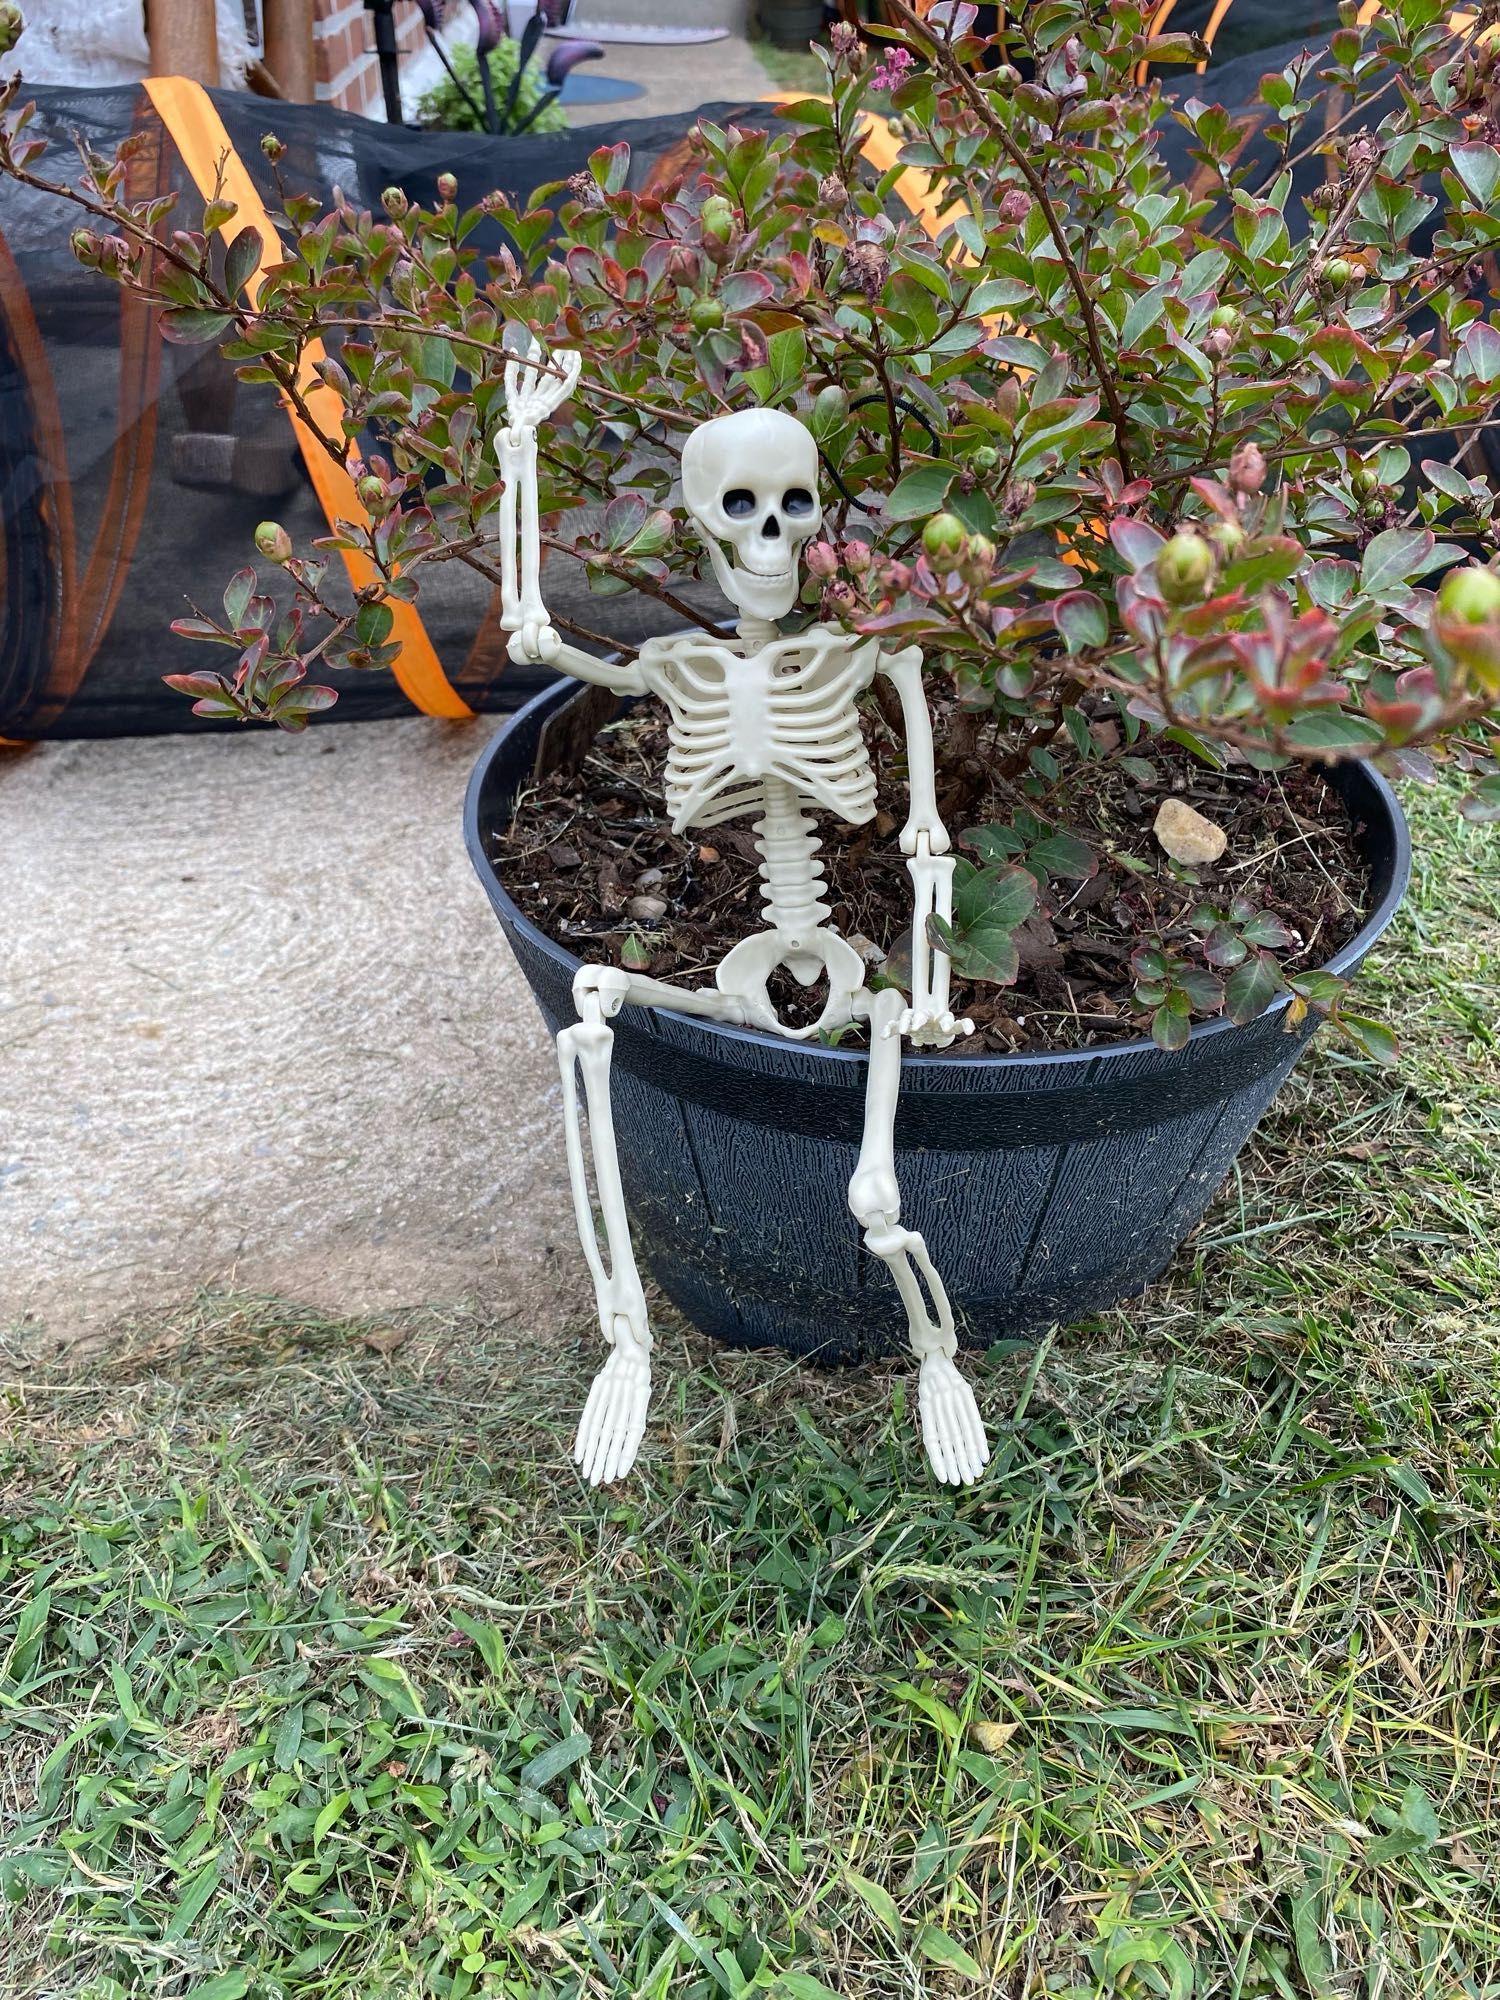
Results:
[372, 624]
[1478, 167]
[1417, 1813]
[995, 899]
[1145, 311]
[241, 260]
[990, 955]
[237, 595]
[1066, 855]
[223, 1986]
[328, 1817]
[1373, 1037]
[943, 1950]
[555, 1759]
[1394, 557]
[993, 843]
[919, 493]
[1334, 729]
[1252, 987]
[801, 1986]
[880, 1903]
[187, 326]
[1171, 1026]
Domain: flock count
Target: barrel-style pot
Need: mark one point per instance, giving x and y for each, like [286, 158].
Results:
[1047, 1186]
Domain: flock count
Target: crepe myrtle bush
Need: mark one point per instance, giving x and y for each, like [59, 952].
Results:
[1128, 459]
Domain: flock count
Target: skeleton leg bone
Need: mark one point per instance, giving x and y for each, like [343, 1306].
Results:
[952, 1432]
[614, 1418]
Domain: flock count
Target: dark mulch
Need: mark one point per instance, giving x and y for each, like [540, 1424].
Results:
[588, 845]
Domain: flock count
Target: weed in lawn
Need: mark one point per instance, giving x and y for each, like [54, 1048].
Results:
[324, 1676]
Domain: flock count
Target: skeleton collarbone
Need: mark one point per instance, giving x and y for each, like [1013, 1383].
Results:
[783, 714]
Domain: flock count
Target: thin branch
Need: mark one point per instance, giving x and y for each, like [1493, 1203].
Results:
[1037, 183]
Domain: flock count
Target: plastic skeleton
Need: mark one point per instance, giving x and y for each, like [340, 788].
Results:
[759, 725]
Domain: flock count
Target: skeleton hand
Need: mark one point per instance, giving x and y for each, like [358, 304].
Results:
[952, 1432]
[614, 1418]
[535, 643]
[533, 390]
[927, 1028]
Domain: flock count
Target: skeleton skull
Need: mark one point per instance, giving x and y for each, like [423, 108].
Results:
[751, 480]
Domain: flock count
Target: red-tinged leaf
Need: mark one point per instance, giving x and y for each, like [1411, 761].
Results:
[198, 684]
[1252, 987]
[1136, 542]
[1148, 963]
[1373, 1037]
[585, 267]
[1223, 948]
[1205, 993]
[1218, 498]
[742, 290]
[1265, 929]
[1082, 619]
[201, 628]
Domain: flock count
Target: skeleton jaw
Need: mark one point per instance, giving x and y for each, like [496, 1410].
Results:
[757, 593]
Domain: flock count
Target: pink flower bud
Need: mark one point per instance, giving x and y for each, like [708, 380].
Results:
[822, 559]
[1247, 469]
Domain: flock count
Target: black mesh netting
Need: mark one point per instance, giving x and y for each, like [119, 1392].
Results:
[133, 472]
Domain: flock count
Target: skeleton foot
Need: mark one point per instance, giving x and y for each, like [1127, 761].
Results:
[952, 1433]
[614, 1418]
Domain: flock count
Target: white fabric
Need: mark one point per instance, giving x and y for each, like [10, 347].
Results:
[105, 42]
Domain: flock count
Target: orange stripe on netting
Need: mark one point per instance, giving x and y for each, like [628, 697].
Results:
[197, 130]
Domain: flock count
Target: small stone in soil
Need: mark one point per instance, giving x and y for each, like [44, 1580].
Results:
[1186, 835]
[646, 909]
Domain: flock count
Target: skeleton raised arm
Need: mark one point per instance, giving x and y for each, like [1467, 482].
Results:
[533, 390]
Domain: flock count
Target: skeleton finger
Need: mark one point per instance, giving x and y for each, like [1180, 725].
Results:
[619, 1431]
[979, 1445]
[609, 1434]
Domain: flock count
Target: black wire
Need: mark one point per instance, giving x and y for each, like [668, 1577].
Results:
[908, 409]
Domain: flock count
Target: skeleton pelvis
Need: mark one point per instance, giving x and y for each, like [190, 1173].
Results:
[749, 965]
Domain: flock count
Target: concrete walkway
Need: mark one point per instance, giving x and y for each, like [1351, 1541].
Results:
[259, 1027]
[258, 1024]
[675, 78]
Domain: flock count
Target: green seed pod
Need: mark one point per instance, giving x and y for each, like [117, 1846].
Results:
[707, 315]
[1470, 596]
[944, 538]
[273, 541]
[1183, 567]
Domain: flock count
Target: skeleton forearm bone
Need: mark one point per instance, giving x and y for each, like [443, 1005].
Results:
[924, 840]
[531, 393]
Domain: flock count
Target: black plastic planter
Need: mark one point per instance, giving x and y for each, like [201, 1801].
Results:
[1047, 1186]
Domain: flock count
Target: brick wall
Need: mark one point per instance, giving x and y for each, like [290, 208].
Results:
[344, 42]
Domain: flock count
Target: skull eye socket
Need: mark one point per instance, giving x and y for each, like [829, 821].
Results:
[739, 502]
[797, 501]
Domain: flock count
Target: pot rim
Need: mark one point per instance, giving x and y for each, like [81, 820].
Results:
[1346, 959]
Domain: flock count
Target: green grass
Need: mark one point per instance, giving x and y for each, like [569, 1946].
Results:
[791, 69]
[322, 1675]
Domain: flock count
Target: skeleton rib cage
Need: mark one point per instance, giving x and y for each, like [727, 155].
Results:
[739, 716]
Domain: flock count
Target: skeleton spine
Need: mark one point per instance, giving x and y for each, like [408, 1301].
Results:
[790, 869]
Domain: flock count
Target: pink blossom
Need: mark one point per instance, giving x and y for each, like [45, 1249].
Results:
[892, 69]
